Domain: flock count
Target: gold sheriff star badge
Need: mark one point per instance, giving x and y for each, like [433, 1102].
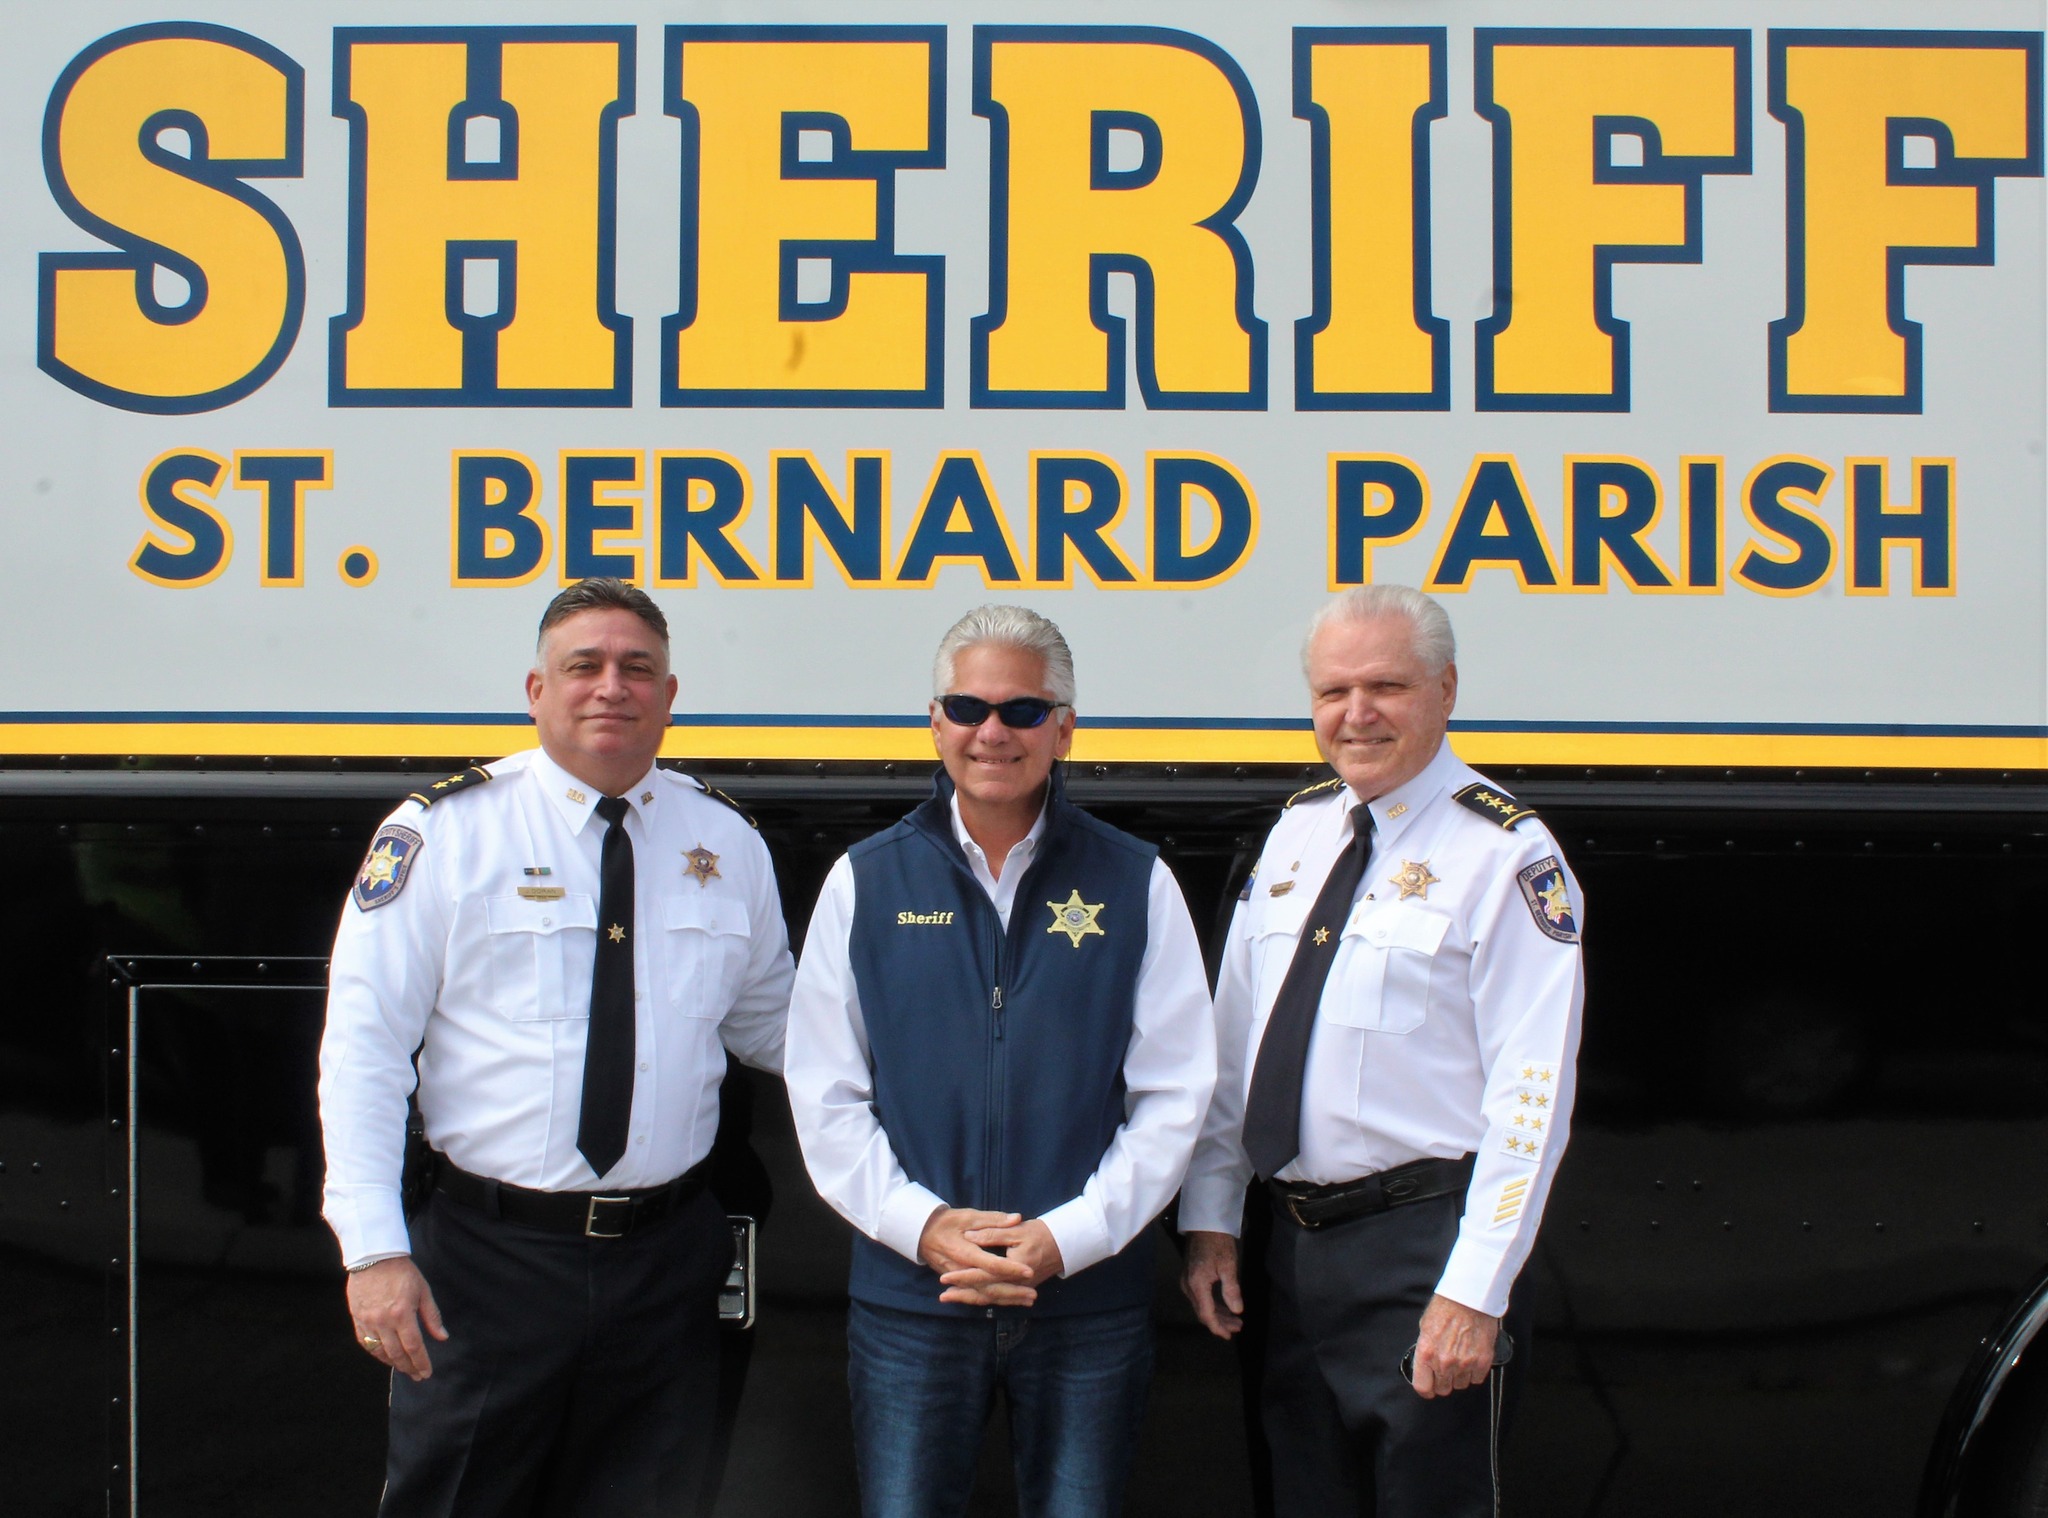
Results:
[381, 867]
[616, 933]
[1414, 879]
[1075, 918]
[703, 865]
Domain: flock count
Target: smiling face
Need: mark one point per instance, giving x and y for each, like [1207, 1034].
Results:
[999, 769]
[1379, 711]
[600, 696]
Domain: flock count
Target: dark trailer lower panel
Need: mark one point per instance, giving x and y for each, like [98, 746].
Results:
[1809, 1172]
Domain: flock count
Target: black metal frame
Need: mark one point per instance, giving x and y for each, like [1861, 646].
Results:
[128, 977]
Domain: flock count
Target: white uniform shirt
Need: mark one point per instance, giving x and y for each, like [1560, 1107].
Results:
[1449, 1023]
[477, 955]
[1169, 1072]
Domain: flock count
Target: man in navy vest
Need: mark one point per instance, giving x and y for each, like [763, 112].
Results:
[1000, 1053]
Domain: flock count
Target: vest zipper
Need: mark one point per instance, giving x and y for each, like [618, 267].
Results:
[996, 1006]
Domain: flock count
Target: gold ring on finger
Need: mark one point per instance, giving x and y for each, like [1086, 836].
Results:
[372, 1342]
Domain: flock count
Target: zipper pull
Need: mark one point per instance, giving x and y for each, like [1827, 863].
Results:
[996, 1005]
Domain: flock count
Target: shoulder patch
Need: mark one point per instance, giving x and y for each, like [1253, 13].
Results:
[1549, 899]
[1493, 803]
[1246, 893]
[1314, 790]
[385, 866]
[427, 795]
[717, 795]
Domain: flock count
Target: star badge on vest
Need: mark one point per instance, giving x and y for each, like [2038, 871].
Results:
[385, 867]
[1075, 918]
[1549, 899]
[703, 865]
[1414, 879]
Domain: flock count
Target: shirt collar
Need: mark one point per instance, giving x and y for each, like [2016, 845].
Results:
[577, 799]
[1396, 809]
[969, 846]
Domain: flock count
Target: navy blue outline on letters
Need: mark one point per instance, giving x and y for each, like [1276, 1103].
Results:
[1101, 265]
[1656, 168]
[484, 75]
[1983, 173]
[142, 255]
[1308, 328]
[874, 255]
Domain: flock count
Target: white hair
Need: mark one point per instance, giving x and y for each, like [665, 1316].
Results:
[1015, 627]
[1431, 625]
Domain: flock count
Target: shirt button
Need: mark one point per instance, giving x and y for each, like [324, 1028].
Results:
[547, 922]
[641, 1139]
[643, 1066]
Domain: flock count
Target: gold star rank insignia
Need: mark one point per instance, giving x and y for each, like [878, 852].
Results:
[616, 933]
[1414, 879]
[1075, 918]
[703, 865]
[1322, 936]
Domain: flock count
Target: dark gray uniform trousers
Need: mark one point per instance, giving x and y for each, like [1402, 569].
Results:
[579, 1378]
[1347, 1433]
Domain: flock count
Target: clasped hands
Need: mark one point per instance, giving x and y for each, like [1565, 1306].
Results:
[959, 1243]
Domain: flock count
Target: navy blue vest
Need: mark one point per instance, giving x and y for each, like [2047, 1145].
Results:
[998, 1057]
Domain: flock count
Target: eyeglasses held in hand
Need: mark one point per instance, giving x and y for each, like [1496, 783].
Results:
[1020, 711]
[1503, 1352]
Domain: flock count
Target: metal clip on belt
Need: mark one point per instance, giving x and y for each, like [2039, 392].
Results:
[1315, 1207]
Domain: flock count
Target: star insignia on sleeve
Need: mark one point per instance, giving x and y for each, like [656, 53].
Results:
[1076, 918]
[1414, 879]
[616, 933]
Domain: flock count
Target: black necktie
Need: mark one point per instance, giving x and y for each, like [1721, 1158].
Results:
[1272, 1112]
[608, 1056]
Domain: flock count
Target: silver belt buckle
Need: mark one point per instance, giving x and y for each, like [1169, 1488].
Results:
[590, 1218]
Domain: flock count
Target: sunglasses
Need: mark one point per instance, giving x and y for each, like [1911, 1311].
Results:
[1020, 711]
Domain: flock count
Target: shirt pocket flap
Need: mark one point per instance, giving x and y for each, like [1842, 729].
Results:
[705, 913]
[1423, 932]
[519, 914]
[1283, 914]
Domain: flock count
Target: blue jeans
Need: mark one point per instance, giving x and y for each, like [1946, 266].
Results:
[923, 1386]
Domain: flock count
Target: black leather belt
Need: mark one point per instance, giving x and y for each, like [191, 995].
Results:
[594, 1214]
[1418, 1181]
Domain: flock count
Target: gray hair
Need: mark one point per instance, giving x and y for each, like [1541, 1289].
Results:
[1015, 627]
[603, 593]
[1433, 642]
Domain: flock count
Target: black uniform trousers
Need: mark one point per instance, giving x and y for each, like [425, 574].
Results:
[579, 1377]
[1346, 1433]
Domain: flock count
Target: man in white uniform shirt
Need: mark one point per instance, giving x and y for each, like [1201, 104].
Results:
[1398, 1013]
[571, 939]
[1000, 1048]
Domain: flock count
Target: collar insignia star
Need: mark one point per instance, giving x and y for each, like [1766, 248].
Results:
[1414, 879]
[616, 933]
[1075, 918]
[703, 865]
[1322, 936]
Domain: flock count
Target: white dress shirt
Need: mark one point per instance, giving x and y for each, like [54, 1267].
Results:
[1449, 1023]
[484, 956]
[1169, 1071]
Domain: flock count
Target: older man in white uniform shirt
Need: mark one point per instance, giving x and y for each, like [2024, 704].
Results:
[1398, 1011]
[572, 939]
